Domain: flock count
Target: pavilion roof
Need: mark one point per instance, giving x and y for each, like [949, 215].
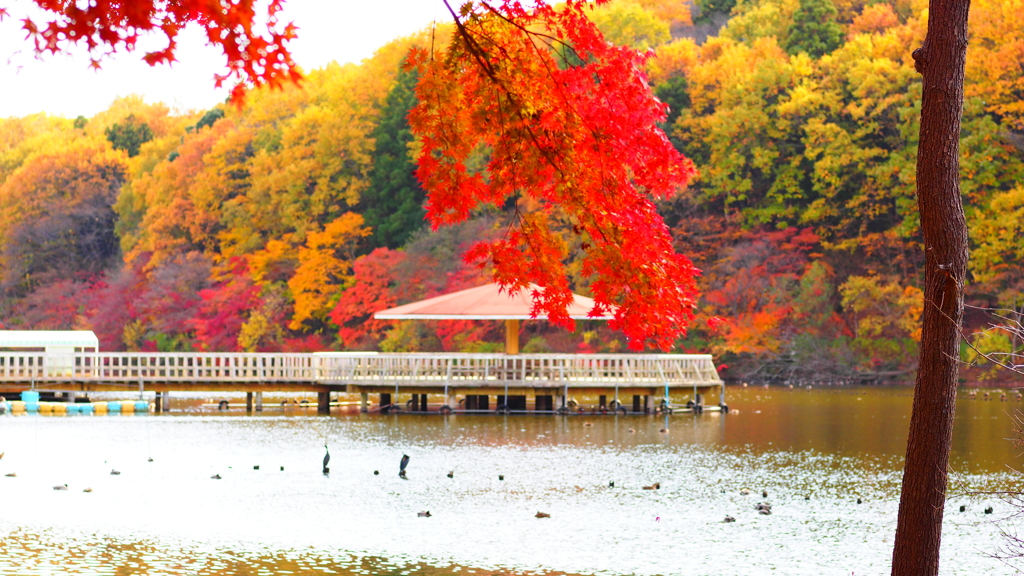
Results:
[485, 302]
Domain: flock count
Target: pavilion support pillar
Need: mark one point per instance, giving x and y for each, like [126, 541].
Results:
[248, 401]
[364, 402]
[259, 401]
[511, 336]
[323, 402]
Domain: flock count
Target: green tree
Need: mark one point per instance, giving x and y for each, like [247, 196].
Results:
[393, 203]
[814, 29]
[129, 136]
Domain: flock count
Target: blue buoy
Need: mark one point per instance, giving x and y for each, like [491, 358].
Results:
[30, 396]
[32, 407]
[113, 406]
[85, 408]
[141, 406]
[73, 408]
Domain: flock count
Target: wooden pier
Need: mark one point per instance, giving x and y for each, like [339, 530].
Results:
[464, 382]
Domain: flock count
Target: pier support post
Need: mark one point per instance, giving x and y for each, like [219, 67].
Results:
[647, 404]
[323, 402]
[248, 401]
[164, 402]
[364, 402]
[157, 403]
[259, 401]
[385, 403]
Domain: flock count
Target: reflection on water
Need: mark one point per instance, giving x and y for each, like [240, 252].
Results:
[815, 453]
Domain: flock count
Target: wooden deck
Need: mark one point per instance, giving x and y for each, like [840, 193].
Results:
[556, 375]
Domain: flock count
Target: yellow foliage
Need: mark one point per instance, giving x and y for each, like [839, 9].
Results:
[673, 59]
[883, 309]
[325, 264]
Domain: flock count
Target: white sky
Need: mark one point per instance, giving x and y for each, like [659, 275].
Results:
[63, 85]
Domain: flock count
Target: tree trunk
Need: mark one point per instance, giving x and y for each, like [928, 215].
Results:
[941, 63]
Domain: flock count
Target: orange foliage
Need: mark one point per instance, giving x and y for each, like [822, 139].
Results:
[324, 265]
[875, 18]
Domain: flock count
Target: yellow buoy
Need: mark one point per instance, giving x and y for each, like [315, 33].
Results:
[99, 407]
[45, 408]
[59, 408]
[17, 406]
[127, 407]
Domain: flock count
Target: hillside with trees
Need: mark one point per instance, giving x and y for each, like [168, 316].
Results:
[281, 224]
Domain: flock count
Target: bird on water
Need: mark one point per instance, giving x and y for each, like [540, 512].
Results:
[61, 487]
[402, 465]
[115, 472]
[327, 458]
[451, 473]
[425, 514]
[215, 477]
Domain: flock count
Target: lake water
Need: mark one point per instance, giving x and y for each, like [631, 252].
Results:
[816, 452]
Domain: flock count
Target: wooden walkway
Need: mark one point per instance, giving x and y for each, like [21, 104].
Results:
[556, 375]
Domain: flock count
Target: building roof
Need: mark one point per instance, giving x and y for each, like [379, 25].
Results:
[44, 338]
[486, 302]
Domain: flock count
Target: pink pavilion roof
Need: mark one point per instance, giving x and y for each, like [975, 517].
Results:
[486, 302]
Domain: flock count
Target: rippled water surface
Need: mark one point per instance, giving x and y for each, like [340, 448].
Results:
[815, 453]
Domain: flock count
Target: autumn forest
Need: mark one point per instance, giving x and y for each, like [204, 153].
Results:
[282, 223]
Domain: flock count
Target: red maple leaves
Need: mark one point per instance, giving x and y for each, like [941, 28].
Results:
[105, 26]
[568, 125]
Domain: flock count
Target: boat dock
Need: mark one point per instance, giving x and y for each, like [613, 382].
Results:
[503, 383]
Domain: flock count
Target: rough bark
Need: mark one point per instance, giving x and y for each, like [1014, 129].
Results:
[941, 63]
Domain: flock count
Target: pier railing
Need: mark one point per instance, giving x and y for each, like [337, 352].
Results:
[362, 368]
